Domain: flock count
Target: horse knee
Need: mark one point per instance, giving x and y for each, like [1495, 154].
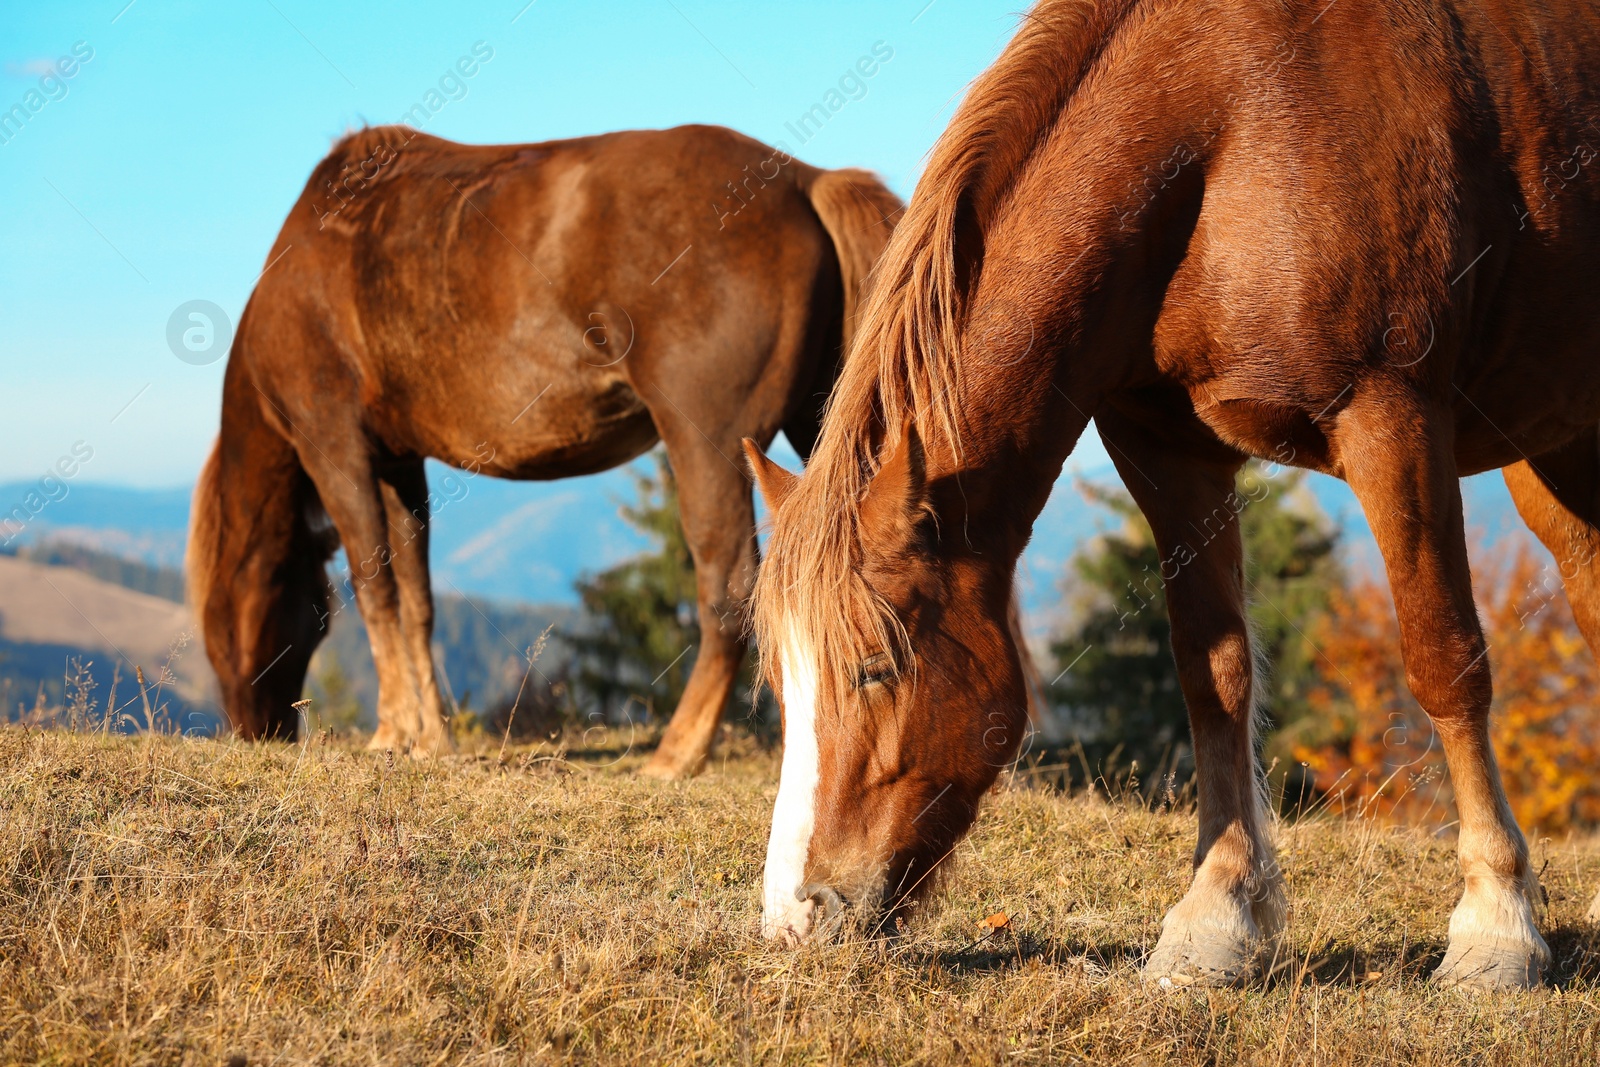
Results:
[1453, 690]
[1217, 676]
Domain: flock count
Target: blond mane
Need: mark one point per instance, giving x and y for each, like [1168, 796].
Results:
[905, 358]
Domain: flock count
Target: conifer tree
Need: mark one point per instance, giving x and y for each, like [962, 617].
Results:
[638, 641]
[1115, 683]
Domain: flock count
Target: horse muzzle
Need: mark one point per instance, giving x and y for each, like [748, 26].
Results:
[817, 913]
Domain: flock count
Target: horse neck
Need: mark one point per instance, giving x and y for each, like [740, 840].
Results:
[1063, 297]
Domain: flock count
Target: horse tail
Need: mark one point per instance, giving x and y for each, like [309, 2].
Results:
[255, 564]
[859, 213]
[205, 521]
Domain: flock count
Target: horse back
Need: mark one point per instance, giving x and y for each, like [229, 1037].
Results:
[436, 279]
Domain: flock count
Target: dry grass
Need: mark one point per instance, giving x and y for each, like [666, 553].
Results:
[171, 901]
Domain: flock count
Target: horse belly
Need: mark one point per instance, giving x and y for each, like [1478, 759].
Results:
[533, 427]
[1272, 385]
[1526, 407]
[584, 434]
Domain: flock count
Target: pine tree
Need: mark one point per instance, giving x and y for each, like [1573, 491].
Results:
[638, 642]
[1116, 684]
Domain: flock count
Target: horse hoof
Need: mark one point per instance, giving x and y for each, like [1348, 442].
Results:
[1211, 939]
[386, 741]
[1491, 967]
[1186, 964]
[666, 768]
[435, 741]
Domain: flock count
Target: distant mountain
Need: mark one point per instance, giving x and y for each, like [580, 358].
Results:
[526, 542]
[54, 620]
[145, 524]
[136, 574]
[511, 541]
[62, 607]
[529, 541]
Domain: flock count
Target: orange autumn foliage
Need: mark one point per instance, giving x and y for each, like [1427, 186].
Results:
[1379, 754]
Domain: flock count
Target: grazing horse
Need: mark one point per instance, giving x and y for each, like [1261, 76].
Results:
[524, 311]
[1357, 237]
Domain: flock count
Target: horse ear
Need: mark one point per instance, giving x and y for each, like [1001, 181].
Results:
[896, 506]
[775, 483]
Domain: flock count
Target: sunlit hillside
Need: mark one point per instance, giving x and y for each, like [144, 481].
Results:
[208, 902]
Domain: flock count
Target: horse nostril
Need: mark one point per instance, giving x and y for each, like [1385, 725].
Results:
[827, 898]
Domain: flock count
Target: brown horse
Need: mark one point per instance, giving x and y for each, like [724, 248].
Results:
[525, 311]
[1358, 237]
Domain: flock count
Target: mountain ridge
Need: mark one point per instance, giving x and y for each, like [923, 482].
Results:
[505, 555]
[527, 542]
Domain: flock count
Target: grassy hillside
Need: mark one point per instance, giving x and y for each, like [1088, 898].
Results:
[142, 577]
[166, 901]
[58, 623]
[50, 616]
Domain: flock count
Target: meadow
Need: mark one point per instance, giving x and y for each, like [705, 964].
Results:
[197, 901]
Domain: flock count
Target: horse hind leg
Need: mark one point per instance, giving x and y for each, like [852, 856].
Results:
[404, 486]
[1228, 923]
[1409, 489]
[1558, 496]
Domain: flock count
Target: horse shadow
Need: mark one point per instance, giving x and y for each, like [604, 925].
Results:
[1574, 958]
[1355, 966]
[1574, 961]
[1005, 949]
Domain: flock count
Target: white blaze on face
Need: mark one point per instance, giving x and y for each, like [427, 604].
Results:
[793, 816]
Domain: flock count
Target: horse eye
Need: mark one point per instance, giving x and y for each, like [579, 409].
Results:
[874, 670]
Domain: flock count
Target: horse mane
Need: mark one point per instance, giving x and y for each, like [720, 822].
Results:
[904, 362]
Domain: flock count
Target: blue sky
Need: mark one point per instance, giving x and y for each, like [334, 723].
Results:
[161, 170]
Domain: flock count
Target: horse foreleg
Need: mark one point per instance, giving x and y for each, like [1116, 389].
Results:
[719, 524]
[405, 504]
[1228, 922]
[1558, 496]
[1398, 456]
